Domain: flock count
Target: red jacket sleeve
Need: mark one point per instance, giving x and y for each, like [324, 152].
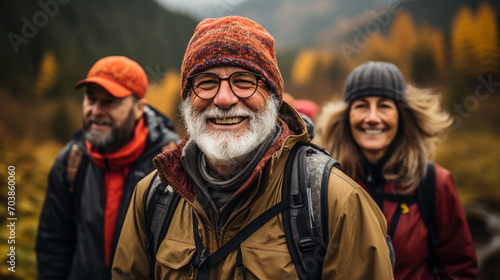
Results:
[455, 254]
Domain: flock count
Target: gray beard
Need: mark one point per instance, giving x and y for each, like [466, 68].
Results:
[229, 148]
[118, 137]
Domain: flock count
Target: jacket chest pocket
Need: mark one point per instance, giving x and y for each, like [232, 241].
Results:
[259, 262]
[263, 262]
[173, 260]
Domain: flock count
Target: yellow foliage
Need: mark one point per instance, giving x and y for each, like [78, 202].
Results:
[32, 161]
[486, 39]
[403, 38]
[47, 73]
[462, 40]
[474, 41]
[165, 95]
[304, 66]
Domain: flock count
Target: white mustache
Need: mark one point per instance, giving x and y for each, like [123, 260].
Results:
[217, 113]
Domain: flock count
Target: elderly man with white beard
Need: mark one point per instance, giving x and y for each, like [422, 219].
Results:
[229, 170]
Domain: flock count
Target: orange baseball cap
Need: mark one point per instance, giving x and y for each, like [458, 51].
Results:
[119, 75]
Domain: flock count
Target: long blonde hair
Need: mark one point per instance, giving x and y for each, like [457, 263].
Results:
[422, 123]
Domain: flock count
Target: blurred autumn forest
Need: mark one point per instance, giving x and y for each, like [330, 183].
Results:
[42, 57]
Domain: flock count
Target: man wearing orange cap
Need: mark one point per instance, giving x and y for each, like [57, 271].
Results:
[228, 175]
[93, 177]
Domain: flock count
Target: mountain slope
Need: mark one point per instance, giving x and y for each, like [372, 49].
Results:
[297, 23]
[80, 32]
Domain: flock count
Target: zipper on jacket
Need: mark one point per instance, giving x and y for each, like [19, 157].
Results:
[217, 231]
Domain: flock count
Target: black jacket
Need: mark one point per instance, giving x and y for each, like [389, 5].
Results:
[70, 242]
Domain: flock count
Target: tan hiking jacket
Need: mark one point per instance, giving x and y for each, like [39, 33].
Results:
[357, 228]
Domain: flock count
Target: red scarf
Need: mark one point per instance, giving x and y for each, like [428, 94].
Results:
[116, 167]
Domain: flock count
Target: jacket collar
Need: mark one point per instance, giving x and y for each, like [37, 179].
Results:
[125, 156]
[161, 128]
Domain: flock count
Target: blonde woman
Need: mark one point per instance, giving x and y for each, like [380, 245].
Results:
[383, 134]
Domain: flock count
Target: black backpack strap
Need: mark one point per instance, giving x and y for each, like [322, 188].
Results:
[297, 203]
[161, 202]
[306, 221]
[426, 198]
[404, 201]
[204, 262]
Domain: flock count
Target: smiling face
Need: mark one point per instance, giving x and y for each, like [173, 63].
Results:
[374, 125]
[227, 128]
[109, 122]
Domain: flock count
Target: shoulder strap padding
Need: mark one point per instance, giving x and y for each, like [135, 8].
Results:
[426, 199]
[161, 202]
[306, 177]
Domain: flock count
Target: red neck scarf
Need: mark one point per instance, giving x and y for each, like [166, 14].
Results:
[116, 167]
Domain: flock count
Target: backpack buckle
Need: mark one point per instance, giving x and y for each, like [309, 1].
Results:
[296, 201]
[306, 244]
[203, 256]
[200, 259]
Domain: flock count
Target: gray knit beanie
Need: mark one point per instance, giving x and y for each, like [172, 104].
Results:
[375, 79]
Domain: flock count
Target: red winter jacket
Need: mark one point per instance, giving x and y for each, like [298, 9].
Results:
[455, 255]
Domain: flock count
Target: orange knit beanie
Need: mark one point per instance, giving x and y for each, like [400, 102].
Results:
[232, 41]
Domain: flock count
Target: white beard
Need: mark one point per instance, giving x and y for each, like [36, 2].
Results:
[227, 147]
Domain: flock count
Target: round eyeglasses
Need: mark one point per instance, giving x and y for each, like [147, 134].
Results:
[207, 85]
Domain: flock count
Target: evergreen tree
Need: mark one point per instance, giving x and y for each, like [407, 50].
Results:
[486, 40]
[47, 74]
[462, 41]
[403, 36]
